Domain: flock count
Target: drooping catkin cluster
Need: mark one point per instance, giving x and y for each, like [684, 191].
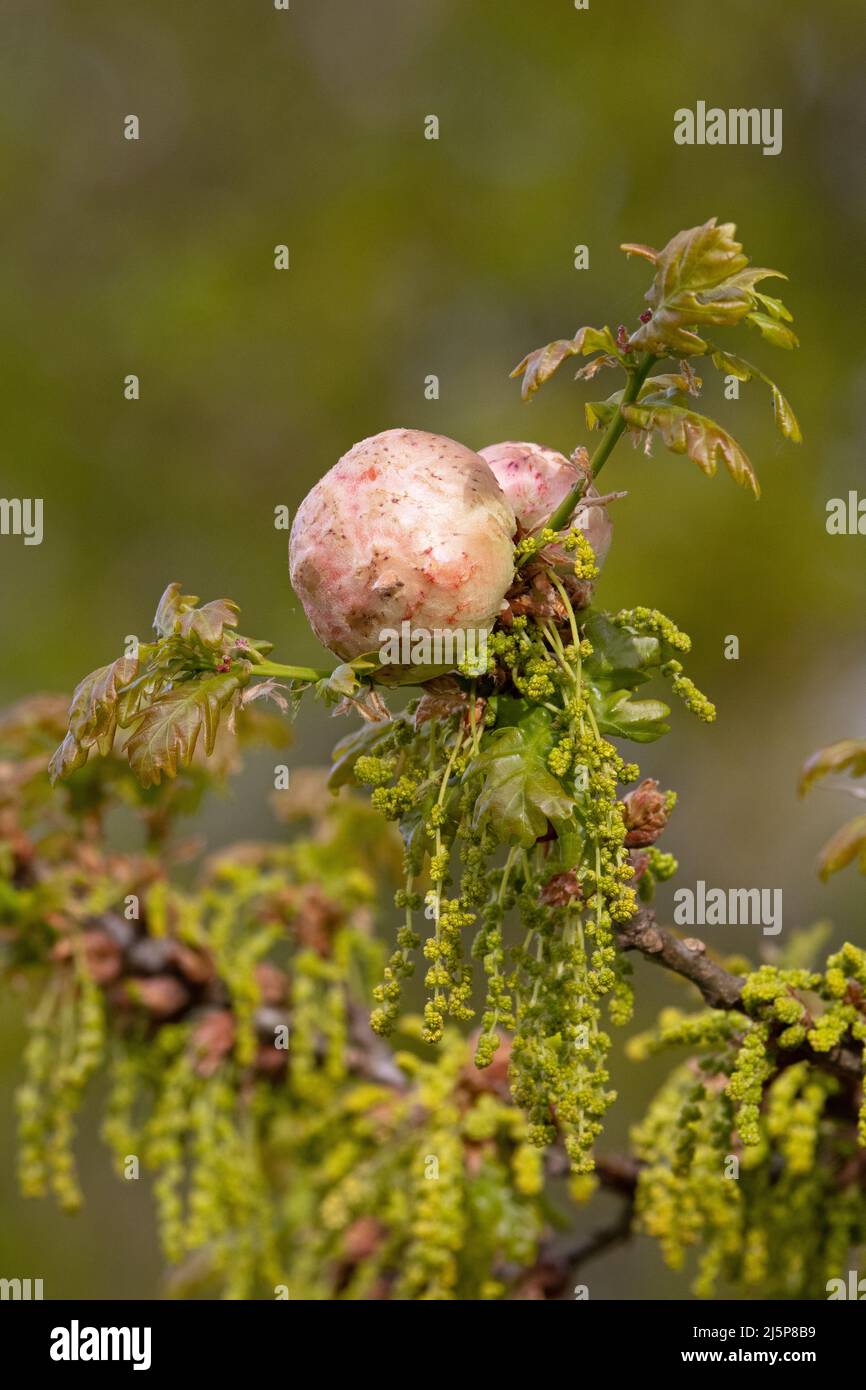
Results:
[751, 1154]
[322, 1168]
[508, 757]
[194, 1057]
[519, 852]
[335, 1169]
[65, 1047]
[448, 1204]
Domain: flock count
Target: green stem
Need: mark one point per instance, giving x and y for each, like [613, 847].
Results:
[296, 673]
[506, 873]
[572, 621]
[636, 378]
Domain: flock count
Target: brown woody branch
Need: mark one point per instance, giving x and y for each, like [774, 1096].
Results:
[720, 988]
[687, 957]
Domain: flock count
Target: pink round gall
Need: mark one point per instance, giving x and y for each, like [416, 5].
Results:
[406, 527]
[535, 480]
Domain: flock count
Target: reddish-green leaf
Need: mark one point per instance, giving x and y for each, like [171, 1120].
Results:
[637, 248]
[848, 755]
[775, 332]
[656, 388]
[540, 365]
[169, 730]
[702, 277]
[67, 758]
[841, 849]
[171, 608]
[207, 623]
[672, 383]
[698, 258]
[702, 440]
[93, 710]
[784, 416]
[92, 716]
[177, 614]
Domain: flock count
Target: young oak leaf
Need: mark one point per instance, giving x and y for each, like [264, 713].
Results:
[619, 657]
[637, 248]
[848, 843]
[68, 758]
[786, 421]
[599, 414]
[540, 365]
[774, 307]
[779, 334]
[162, 664]
[784, 416]
[702, 277]
[92, 716]
[142, 689]
[519, 796]
[702, 440]
[592, 369]
[169, 729]
[178, 614]
[642, 721]
[208, 622]
[171, 607]
[848, 755]
[93, 710]
[684, 383]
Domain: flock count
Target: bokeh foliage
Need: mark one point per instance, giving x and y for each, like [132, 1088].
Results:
[411, 257]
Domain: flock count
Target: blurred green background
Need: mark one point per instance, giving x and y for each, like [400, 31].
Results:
[411, 257]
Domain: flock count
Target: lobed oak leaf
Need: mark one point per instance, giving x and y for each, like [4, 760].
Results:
[702, 277]
[170, 609]
[659, 388]
[519, 795]
[540, 365]
[848, 843]
[177, 614]
[773, 330]
[93, 716]
[784, 416]
[701, 439]
[68, 758]
[169, 729]
[848, 755]
[775, 307]
[617, 714]
[209, 622]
